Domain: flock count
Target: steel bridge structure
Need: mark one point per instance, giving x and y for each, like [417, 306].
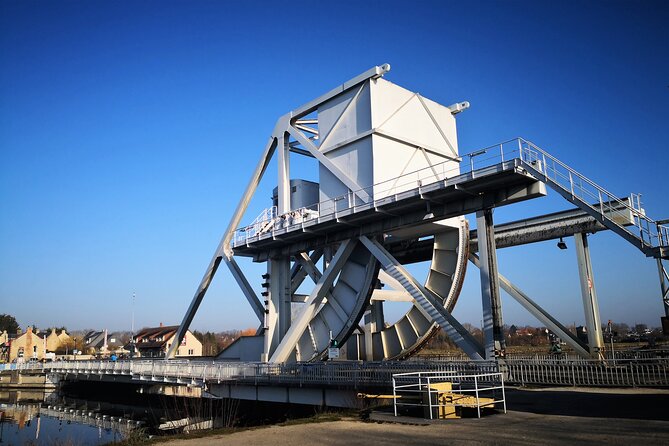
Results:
[347, 383]
[394, 190]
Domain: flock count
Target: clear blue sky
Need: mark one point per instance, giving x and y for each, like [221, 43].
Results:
[128, 131]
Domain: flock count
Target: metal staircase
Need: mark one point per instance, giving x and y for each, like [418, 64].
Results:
[447, 270]
[428, 303]
[626, 218]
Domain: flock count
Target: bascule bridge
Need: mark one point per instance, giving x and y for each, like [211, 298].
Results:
[393, 190]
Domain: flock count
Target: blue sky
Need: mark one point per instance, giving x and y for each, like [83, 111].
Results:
[128, 131]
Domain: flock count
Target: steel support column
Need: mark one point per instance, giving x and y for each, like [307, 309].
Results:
[373, 323]
[493, 332]
[279, 306]
[664, 286]
[280, 296]
[593, 323]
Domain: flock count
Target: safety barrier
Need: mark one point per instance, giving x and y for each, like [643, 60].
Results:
[619, 373]
[441, 394]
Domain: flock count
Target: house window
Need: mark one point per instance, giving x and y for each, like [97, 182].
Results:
[190, 351]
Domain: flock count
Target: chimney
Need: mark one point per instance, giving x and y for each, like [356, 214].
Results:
[161, 324]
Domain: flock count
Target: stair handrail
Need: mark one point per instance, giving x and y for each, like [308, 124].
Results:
[527, 149]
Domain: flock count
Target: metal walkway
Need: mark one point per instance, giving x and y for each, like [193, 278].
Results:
[648, 235]
[507, 163]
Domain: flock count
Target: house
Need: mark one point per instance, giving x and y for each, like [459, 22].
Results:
[27, 345]
[155, 342]
[95, 342]
[57, 342]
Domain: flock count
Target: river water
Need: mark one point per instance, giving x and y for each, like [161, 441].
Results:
[95, 413]
[86, 415]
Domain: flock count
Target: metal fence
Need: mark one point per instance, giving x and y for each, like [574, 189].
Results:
[426, 390]
[552, 371]
[619, 373]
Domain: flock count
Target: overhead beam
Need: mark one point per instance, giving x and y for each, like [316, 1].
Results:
[516, 233]
[391, 296]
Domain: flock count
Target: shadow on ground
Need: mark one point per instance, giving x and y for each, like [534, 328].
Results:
[646, 406]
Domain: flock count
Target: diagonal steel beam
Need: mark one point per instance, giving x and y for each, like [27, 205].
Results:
[372, 73]
[223, 249]
[424, 298]
[664, 285]
[298, 274]
[289, 341]
[542, 315]
[329, 165]
[244, 284]
[248, 194]
[312, 270]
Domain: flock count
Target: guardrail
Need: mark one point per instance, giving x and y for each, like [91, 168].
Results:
[441, 392]
[322, 373]
[368, 196]
[618, 373]
[649, 233]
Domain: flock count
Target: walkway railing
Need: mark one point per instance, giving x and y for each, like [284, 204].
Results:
[645, 233]
[370, 196]
[619, 373]
[616, 213]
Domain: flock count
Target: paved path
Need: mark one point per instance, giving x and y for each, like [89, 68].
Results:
[547, 417]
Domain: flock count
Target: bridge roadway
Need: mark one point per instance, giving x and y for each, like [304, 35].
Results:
[337, 383]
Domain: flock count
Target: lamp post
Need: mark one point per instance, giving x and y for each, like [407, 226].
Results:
[132, 327]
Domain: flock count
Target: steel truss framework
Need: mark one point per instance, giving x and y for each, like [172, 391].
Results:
[344, 291]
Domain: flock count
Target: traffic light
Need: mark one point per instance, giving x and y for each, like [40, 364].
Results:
[334, 343]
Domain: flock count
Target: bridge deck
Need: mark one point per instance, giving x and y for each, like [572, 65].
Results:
[498, 185]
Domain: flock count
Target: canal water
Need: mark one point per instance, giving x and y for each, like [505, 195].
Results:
[94, 415]
[86, 413]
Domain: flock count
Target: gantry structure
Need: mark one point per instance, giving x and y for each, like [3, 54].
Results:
[393, 190]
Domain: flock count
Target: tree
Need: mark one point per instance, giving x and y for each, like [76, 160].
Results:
[8, 322]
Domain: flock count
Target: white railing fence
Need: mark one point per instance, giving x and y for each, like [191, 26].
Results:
[618, 373]
[426, 390]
